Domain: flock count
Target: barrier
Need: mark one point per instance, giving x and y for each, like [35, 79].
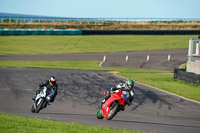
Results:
[141, 32]
[6, 32]
[95, 32]
[187, 77]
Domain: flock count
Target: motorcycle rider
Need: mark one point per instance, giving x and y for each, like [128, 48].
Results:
[51, 86]
[128, 86]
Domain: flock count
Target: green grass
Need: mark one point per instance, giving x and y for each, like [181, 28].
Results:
[18, 124]
[89, 65]
[85, 44]
[160, 79]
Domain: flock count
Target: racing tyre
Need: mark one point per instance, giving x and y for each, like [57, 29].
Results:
[39, 107]
[33, 109]
[113, 111]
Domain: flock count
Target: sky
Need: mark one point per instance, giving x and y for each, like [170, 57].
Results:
[104, 8]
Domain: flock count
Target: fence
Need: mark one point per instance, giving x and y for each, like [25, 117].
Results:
[5, 32]
[141, 32]
[187, 77]
[96, 21]
[39, 32]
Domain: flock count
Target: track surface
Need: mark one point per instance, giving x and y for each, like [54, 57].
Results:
[79, 95]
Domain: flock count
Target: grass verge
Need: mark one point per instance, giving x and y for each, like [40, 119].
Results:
[18, 124]
[160, 79]
[85, 44]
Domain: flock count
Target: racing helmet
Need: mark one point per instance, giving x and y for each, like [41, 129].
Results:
[52, 80]
[129, 84]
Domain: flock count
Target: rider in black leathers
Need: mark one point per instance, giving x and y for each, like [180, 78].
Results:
[51, 83]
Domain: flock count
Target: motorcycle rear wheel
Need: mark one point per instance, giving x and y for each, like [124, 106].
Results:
[113, 111]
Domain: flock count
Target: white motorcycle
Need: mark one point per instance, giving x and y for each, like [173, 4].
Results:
[41, 100]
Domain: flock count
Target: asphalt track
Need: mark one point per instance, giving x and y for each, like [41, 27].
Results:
[79, 95]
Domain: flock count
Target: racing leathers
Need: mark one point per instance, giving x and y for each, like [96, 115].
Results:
[52, 88]
[113, 90]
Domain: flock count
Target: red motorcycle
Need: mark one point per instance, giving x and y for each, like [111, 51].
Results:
[114, 104]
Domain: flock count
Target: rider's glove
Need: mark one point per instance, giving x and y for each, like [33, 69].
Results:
[107, 94]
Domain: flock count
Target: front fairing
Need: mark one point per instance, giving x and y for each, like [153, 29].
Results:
[42, 93]
[106, 106]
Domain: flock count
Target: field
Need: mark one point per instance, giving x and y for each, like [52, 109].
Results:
[85, 44]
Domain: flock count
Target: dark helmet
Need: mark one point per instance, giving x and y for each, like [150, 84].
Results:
[52, 80]
[129, 84]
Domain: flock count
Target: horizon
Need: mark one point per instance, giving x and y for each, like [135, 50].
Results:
[104, 8]
[5, 14]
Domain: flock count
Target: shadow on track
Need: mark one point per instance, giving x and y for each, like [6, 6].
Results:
[143, 95]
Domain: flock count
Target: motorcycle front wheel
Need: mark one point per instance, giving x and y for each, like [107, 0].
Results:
[33, 109]
[113, 111]
[39, 106]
